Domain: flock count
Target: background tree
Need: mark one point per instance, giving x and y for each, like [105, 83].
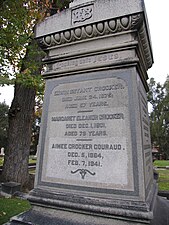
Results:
[158, 96]
[3, 124]
[20, 60]
[36, 125]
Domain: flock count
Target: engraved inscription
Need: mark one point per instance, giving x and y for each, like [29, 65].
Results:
[88, 134]
[85, 61]
[145, 136]
[82, 14]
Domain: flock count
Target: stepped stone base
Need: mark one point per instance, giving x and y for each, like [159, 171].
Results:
[48, 216]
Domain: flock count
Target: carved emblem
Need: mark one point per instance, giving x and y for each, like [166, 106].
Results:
[82, 14]
[83, 172]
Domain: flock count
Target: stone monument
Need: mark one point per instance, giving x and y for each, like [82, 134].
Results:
[2, 151]
[95, 161]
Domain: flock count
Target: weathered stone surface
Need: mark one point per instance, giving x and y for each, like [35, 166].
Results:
[92, 139]
[49, 216]
[88, 133]
[95, 160]
[95, 148]
[90, 11]
[85, 37]
[10, 187]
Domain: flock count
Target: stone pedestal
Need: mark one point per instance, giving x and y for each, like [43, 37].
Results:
[95, 161]
[10, 188]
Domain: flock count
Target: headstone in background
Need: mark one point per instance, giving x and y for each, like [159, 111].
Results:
[10, 188]
[2, 153]
[95, 160]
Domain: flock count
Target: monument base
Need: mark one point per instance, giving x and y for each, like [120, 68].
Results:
[48, 216]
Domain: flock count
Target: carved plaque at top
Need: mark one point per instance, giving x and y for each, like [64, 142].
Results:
[82, 14]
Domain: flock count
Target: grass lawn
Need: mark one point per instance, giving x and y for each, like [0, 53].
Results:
[163, 180]
[161, 163]
[1, 161]
[10, 207]
[32, 160]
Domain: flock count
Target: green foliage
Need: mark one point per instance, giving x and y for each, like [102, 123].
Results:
[16, 22]
[10, 207]
[158, 96]
[3, 124]
[20, 56]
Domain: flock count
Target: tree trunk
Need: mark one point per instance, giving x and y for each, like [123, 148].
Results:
[20, 119]
[19, 135]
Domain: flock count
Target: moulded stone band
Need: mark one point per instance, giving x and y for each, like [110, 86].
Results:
[91, 30]
[98, 29]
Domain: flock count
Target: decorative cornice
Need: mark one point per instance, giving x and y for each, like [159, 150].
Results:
[145, 43]
[92, 30]
[100, 29]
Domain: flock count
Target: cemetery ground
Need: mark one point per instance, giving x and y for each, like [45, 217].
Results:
[162, 168]
[10, 207]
